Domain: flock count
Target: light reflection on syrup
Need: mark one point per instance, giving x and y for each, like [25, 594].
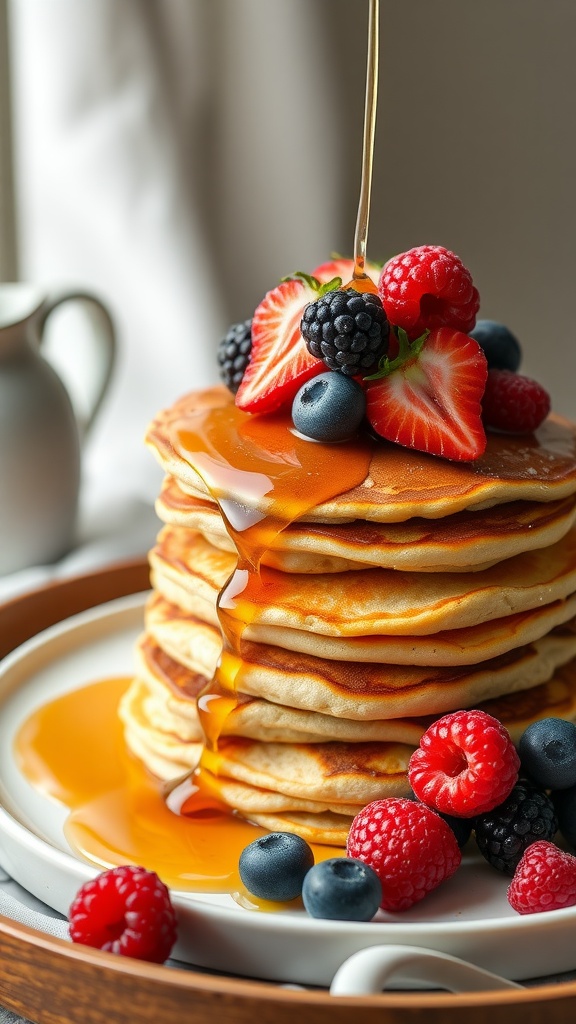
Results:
[72, 749]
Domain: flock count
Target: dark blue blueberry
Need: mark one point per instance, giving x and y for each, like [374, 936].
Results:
[330, 407]
[501, 348]
[342, 889]
[564, 801]
[461, 827]
[548, 753]
[273, 867]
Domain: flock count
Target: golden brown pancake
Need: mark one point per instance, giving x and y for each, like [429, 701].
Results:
[187, 638]
[553, 699]
[328, 829]
[366, 691]
[464, 541]
[168, 691]
[373, 691]
[468, 646]
[163, 752]
[400, 483]
[341, 775]
[189, 571]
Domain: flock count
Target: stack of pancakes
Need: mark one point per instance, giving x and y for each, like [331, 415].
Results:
[429, 587]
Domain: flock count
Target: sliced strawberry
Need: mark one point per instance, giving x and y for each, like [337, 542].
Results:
[344, 268]
[279, 362]
[429, 397]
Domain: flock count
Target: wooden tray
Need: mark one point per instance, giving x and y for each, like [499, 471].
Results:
[50, 981]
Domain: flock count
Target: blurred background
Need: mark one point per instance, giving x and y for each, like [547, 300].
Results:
[178, 157]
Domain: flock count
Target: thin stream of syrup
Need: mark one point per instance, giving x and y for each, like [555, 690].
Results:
[359, 275]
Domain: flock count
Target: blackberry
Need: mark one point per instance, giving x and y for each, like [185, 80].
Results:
[347, 329]
[234, 354]
[502, 835]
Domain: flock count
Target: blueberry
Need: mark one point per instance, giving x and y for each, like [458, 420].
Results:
[564, 801]
[273, 867]
[501, 348]
[330, 407]
[342, 889]
[548, 753]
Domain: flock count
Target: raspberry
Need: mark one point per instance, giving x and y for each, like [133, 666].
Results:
[428, 287]
[234, 354]
[504, 833]
[347, 329]
[545, 879]
[409, 846]
[514, 403]
[466, 764]
[125, 910]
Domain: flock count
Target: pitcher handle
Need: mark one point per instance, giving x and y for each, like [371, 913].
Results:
[104, 336]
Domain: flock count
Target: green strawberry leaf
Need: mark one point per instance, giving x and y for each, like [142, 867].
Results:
[407, 351]
[313, 282]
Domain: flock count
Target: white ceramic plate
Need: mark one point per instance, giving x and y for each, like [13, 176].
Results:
[468, 917]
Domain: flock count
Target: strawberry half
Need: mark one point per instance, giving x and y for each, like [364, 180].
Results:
[279, 362]
[428, 398]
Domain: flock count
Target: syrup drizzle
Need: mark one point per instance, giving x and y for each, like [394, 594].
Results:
[259, 461]
[360, 280]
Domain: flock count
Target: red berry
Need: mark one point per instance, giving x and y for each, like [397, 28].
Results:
[409, 846]
[466, 764]
[545, 879]
[514, 403]
[344, 268]
[279, 360]
[431, 400]
[428, 286]
[125, 910]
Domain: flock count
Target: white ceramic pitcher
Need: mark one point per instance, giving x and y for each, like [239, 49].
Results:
[40, 437]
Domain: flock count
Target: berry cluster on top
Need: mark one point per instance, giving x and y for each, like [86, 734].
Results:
[400, 349]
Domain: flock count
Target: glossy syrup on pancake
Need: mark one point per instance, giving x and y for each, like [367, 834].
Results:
[264, 457]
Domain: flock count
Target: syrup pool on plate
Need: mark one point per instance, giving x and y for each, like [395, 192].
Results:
[73, 750]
